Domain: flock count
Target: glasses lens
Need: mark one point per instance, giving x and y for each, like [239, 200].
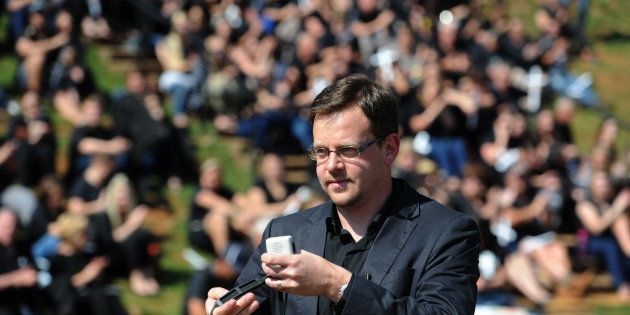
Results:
[321, 154]
[348, 152]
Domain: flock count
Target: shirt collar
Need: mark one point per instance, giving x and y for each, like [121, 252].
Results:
[333, 224]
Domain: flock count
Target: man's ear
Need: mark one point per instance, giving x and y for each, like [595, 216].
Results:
[392, 143]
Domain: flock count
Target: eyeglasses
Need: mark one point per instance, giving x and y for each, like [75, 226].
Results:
[321, 155]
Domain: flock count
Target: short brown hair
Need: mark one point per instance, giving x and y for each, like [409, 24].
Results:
[379, 104]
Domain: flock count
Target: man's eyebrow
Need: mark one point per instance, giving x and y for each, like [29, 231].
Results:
[342, 145]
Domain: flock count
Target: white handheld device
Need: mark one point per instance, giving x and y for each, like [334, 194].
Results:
[280, 245]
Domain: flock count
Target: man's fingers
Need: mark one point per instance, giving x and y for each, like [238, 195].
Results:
[213, 295]
[280, 260]
[244, 305]
[273, 271]
[285, 285]
[216, 293]
[251, 309]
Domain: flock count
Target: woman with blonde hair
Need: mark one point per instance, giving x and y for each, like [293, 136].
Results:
[121, 227]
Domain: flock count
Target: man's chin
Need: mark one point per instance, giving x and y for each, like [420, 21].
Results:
[342, 199]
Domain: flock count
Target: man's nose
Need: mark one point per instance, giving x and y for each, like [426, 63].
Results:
[334, 161]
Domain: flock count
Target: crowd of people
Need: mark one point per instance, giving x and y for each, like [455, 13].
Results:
[485, 116]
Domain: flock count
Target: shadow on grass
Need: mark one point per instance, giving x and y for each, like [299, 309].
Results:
[612, 36]
[173, 276]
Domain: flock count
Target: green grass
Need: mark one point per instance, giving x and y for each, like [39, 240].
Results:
[611, 72]
[8, 68]
[106, 76]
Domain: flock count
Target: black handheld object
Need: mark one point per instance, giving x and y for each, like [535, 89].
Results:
[237, 292]
[275, 245]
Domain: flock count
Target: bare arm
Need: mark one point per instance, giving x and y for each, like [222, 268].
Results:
[90, 272]
[78, 205]
[133, 222]
[382, 21]
[423, 120]
[262, 207]
[23, 277]
[527, 213]
[26, 47]
[15, 5]
[99, 146]
[596, 223]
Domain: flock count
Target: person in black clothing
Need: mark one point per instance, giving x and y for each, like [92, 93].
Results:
[79, 283]
[441, 113]
[210, 202]
[120, 234]
[33, 135]
[51, 203]
[92, 138]
[37, 45]
[85, 193]
[157, 156]
[209, 229]
[15, 281]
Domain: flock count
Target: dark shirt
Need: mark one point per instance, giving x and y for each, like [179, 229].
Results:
[342, 250]
[290, 188]
[198, 212]
[84, 190]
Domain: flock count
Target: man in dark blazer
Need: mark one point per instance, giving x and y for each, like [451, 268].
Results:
[378, 246]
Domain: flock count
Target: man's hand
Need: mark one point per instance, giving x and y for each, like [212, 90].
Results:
[245, 305]
[304, 274]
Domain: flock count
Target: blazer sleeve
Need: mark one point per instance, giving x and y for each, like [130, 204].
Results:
[446, 285]
[253, 270]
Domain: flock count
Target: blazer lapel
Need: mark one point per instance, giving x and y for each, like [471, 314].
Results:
[386, 247]
[312, 238]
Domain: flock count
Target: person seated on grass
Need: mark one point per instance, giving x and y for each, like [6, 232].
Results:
[119, 229]
[86, 192]
[70, 81]
[35, 143]
[51, 203]
[16, 282]
[604, 215]
[36, 45]
[80, 283]
[94, 137]
[271, 196]
[525, 226]
[209, 230]
[210, 225]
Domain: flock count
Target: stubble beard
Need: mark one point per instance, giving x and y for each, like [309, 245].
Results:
[344, 198]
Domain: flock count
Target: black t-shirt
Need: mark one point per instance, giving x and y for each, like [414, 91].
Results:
[9, 297]
[78, 135]
[290, 188]
[133, 121]
[84, 190]
[197, 212]
[450, 122]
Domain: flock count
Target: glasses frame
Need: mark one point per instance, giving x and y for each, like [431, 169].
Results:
[312, 154]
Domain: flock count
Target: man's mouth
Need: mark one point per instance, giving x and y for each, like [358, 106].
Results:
[337, 183]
